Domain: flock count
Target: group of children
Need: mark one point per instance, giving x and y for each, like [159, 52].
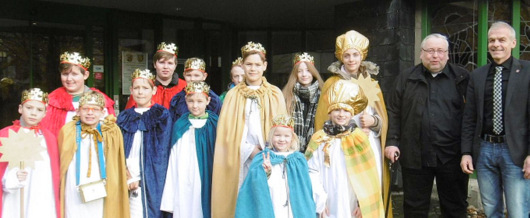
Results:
[185, 155]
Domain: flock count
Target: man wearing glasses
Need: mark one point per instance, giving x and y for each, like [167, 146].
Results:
[425, 113]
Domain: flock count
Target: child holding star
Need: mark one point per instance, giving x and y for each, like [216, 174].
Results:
[41, 183]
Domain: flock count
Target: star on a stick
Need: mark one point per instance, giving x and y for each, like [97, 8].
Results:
[369, 87]
[21, 146]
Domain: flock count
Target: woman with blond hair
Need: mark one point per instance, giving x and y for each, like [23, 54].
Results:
[301, 95]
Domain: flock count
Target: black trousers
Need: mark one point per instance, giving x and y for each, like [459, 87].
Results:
[451, 183]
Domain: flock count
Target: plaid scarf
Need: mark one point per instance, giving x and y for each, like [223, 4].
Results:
[304, 127]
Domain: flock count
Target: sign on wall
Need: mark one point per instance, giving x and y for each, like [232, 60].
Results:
[129, 62]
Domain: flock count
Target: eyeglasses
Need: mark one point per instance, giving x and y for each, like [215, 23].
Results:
[432, 51]
[93, 109]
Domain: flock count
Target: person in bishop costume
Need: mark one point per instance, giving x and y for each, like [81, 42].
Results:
[92, 161]
[41, 184]
[64, 101]
[246, 117]
[187, 192]
[278, 183]
[341, 161]
[351, 49]
[146, 130]
[194, 71]
[167, 82]
[236, 75]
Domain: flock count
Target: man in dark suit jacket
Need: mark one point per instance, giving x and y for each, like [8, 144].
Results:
[425, 116]
[496, 127]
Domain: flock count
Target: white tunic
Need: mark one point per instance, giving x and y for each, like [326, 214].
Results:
[279, 189]
[74, 206]
[182, 190]
[375, 143]
[39, 196]
[331, 185]
[133, 165]
[252, 136]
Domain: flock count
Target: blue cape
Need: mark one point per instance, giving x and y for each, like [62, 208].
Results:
[178, 107]
[156, 127]
[205, 146]
[254, 196]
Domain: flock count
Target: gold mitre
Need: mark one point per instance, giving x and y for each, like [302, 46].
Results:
[75, 58]
[345, 94]
[146, 74]
[283, 120]
[92, 98]
[351, 39]
[35, 94]
[237, 62]
[303, 57]
[195, 64]
[251, 46]
[197, 87]
[171, 48]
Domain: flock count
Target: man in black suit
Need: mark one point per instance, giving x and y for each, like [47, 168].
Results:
[496, 127]
[425, 116]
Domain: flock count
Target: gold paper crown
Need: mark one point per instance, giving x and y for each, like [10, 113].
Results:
[283, 120]
[171, 48]
[303, 57]
[237, 62]
[195, 64]
[251, 46]
[197, 87]
[35, 94]
[345, 94]
[351, 39]
[93, 98]
[75, 58]
[146, 74]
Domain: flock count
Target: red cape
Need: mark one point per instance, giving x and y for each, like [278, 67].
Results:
[60, 102]
[51, 144]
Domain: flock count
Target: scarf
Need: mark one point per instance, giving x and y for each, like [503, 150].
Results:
[304, 126]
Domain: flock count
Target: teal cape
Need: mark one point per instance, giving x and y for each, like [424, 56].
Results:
[205, 145]
[254, 199]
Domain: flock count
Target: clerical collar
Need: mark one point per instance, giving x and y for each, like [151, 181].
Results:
[203, 117]
[444, 71]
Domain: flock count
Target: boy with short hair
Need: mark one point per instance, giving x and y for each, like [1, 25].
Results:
[92, 158]
[187, 191]
[194, 71]
[41, 195]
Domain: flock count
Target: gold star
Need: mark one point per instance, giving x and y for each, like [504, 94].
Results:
[22, 146]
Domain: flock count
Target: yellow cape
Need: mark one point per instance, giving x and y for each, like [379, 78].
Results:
[229, 134]
[117, 200]
[360, 165]
[321, 116]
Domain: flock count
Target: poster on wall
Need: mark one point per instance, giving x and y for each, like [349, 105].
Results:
[129, 62]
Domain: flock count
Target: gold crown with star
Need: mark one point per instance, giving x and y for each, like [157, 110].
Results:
[283, 120]
[195, 64]
[146, 74]
[251, 46]
[303, 57]
[93, 98]
[171, 48]
[75, 58]
[197, 87]
[237, 62]
[35, 94]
